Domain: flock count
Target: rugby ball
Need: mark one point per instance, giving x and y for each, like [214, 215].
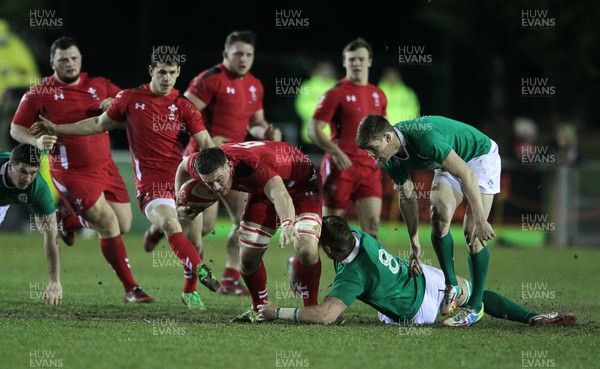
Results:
[196, 195]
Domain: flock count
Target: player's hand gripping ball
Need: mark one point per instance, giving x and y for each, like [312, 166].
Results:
[196, 195]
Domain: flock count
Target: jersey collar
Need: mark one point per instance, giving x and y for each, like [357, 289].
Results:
[354, 252]
[4, 174]
[403, 143]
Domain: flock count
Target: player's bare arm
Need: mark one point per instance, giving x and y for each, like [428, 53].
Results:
[21, 134]
[276, 191]
[409, 207]
[316, 132]
[458, 168]
[203, 139]
[53, 293]
[325, 313]
[269, 133]
[86, 127]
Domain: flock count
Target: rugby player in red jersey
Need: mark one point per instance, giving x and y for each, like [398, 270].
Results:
[348, 173]
[284, 190]
[82, 168]
[231, 101]
[154, 115]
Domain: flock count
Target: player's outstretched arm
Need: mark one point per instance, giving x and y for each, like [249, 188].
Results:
[276, 191]
[316, 132]
[325, 313]
[21, 134]
[461, 170]
[47, 224]
[409, 207]
[86, 127]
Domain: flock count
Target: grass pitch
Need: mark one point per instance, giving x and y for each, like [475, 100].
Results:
[94, 329]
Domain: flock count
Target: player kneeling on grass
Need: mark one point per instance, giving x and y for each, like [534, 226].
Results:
[366, 271]
[21, 183]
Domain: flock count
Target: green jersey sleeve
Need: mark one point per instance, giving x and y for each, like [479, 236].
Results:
[347, 286]
[41, 203]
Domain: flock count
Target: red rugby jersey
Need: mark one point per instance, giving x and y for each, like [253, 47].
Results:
[230, 101]
[153, 124]
[256, 162]
[64, 104]
[343, 107]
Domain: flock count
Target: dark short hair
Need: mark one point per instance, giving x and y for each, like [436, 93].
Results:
[371, 127]
[209, 160]
[62, 43]
[357, 44]
[247, 37]
[336, 234]
[25, 154]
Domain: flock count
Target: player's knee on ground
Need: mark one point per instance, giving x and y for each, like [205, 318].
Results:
[208, 226]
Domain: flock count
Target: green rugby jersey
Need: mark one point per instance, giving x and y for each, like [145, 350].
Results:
[374, 276]
[37, 195]
[428, 140]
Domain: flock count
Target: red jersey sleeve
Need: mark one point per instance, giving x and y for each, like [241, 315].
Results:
[192, 118]
[204, 88]
[260, 95]
[327, 106]
[190, 167]
[28, 111]
[118, 109]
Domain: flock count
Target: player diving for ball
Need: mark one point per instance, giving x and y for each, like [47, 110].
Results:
[366, 271]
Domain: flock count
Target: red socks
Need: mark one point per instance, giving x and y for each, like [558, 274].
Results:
[186, 252]
[114, 252]
[257, 285]
[230, 276]
[308, 277]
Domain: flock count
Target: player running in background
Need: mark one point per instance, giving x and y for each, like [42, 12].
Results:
[154, 115]
[467, 166]
[366, 271]
[82, 168]
[21, 183]
[231, 101]
[348, 173]
[284, 189]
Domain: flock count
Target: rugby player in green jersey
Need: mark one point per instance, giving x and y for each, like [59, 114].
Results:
[366, 271]
[467, 166]
[21, 183]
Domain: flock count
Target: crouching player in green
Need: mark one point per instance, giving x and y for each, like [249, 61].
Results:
[366, 271]
[20, 183]
[466, 165]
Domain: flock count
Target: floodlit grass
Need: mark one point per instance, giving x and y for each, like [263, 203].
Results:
[94, 329]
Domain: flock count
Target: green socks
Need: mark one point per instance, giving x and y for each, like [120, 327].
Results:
[444, 249]
[478, 265]
[502, 308]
